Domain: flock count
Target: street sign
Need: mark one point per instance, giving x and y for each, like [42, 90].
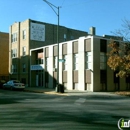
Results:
[61, 60]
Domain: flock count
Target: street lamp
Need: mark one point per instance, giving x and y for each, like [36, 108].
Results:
[57, 13]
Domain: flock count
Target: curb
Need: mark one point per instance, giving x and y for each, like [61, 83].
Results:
[63, 94]
[40, 91]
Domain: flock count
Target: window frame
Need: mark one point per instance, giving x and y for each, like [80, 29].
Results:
[14, 68]
[65, 65]
[75, 61]
[14, 53]
[103, 61]
[14, 37]
[88, 62]
[24, 34]
[24, 51]
[47, 63]
[24, 68]
[55, 62]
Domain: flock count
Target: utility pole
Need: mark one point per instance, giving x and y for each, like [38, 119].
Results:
[57, 13]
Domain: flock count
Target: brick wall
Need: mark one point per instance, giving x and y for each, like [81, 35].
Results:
[4, 54]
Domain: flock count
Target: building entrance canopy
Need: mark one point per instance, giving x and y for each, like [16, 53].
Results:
[37, 67]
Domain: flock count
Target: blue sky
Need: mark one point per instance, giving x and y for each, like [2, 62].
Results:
[105, 15]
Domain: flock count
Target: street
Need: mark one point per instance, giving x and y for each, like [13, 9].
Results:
[36, 111]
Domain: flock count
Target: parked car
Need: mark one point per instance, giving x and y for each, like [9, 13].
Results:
[13, 84]
[1, 83]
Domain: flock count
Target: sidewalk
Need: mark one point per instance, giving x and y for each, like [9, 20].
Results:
[53, 91]
[72, 92]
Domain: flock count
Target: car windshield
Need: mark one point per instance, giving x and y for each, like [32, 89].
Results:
[16, 81]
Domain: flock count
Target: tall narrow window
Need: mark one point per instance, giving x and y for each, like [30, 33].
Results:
[47, 63]
[88, 60]
[72, 37]
[24, 51]
[24, 34]
[65, 62]
[40, 61]
[102, 61]
[14, 68]
[64, 37]
[75, 61]
[14, 37]
[14, 53]
[55, 62]
[24, 67]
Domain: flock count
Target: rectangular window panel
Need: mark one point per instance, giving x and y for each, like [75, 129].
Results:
[75, 61]
[24, 51]
[88, 60]
[47, 63]
[14, 69]
[55, 62]
[14, 53]
[14, 37]
[102, 61]
[102, 65]
[88, 66]
[24, 34]
[65, 62]
[24, 67]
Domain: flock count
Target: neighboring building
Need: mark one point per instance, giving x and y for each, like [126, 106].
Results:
[85, 66]
[4, 56]
[31, 34]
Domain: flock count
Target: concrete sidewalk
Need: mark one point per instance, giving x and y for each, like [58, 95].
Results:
[67, 92]
[74, 92]
[53, 91]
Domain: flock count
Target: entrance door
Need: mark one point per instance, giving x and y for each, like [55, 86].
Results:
[40, 79]
[37, 80]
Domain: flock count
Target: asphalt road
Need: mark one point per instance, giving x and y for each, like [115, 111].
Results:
[35, 111]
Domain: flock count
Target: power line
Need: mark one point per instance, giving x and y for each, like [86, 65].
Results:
[62, 3]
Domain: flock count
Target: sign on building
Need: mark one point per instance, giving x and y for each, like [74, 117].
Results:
[37, 32]
[37, 67]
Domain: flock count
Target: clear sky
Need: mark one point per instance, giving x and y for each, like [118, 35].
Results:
[105, 15]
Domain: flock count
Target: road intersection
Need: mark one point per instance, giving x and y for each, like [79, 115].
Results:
[38, 111]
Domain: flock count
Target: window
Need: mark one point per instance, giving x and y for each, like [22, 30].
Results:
[47, 63]
[40, 61]
[65, 62]
[24, 67]
[14, 37]
[72, 38]
[88, 60]
[14, 68]
[24, 34]
[102, 61]
[75, 58]
[55, 62]
[24, 51]
[103, 45]
[65, 37]
[14, 53]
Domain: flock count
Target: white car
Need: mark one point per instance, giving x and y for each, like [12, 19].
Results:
[13, 84]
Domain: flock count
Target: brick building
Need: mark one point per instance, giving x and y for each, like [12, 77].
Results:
[4, 56]
[31, 34]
